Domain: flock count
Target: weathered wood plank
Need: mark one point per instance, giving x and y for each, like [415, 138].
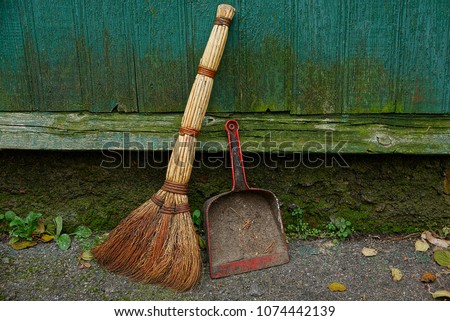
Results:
[161, 57]
[106, 52]
[276, 133]
[318, 49]
[52, 30]
[424, 57]
[265, 64]
[372, 57]
[371, 47]
[14, 80]
[309, 57]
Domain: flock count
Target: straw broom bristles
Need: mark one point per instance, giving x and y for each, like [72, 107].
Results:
[153, 244]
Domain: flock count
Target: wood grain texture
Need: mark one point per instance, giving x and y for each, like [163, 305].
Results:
[403, 134]
[106, 56]
[318, 48]
[306, 57]
[424, 70]
[53, 47]
[265, 56]
[161, 54]
[371, 49]
[15, 81]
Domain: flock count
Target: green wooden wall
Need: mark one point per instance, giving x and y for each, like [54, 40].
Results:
[297, 56]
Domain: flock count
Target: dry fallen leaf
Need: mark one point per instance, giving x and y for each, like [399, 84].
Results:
[442, 257]
[87, 255]
[328, 244]
[40, 228]
[428, 277]
[324, 247]
[23, 245]
[441, 294]
[47, 238]
[422, 246]
[396, 274]
[336, 287]
[84, 264]
[369, 252]
[434, 240]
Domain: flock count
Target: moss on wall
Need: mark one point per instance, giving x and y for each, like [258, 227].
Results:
[377, 193]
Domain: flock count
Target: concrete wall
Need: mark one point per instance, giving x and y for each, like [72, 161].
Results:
[377, 193]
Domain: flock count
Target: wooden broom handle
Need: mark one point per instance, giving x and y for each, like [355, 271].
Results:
[180, 163]
[201, 89]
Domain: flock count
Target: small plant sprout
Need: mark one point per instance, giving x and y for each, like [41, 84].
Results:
[197, 219]
[297, 228]
[339, 228]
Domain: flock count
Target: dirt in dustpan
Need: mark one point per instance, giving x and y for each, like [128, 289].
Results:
[242, 229]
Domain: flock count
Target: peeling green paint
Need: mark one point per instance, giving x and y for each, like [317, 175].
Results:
[304, 57]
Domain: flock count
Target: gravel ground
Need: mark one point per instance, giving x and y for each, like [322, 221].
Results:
[47, 273]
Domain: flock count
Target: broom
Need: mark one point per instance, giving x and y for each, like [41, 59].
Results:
[157, 242]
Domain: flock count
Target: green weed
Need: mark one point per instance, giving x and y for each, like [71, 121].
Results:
[296, 227]
[25, 232]
[22, 228]
[339, 228]
[197, 219]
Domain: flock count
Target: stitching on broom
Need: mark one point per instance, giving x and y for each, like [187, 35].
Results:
[176, 188]
[175, 209]
[206, 71]
[222, 21]
[189, 131]
[158, 201]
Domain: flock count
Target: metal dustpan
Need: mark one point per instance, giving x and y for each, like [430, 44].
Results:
[244, 226]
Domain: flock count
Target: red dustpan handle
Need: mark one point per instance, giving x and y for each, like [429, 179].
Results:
[237, 162]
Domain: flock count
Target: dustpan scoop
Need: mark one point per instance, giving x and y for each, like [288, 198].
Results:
[244, 226]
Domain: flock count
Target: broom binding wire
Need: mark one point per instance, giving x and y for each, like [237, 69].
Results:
[176, 188]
